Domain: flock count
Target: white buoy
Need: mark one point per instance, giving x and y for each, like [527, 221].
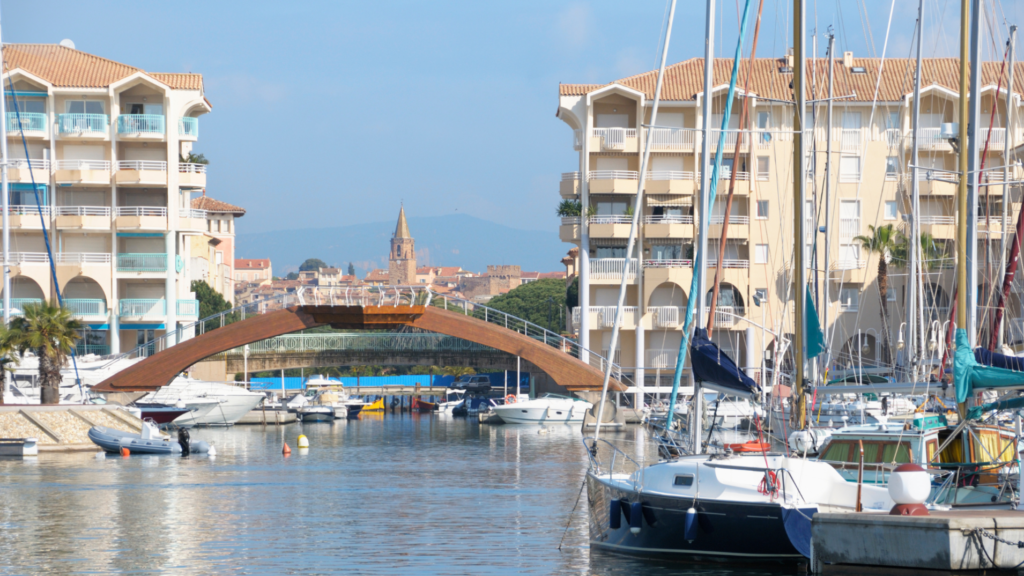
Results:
[302, 441]
[909, 487]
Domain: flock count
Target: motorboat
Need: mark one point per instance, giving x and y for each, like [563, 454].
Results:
[418, 405]
[344, 405]
[473, 404]
[233, 401]
[549, 408]
[452, 398]
[148, 441]
[162, 413]
[316, 413]
[375, 406]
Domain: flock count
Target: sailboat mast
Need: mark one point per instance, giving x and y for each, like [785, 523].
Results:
[4, 190]
[915, 204]
[998, 326]
[799, 203]
[828, 174]
[962, 215]
[972, 177]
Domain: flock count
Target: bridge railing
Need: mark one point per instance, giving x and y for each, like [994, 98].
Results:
[359, 342]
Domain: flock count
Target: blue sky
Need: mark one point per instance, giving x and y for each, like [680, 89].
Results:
[332, 113]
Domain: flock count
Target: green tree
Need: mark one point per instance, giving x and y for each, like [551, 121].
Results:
[458, 371]
[417, 370]
[312, 264]
[194, 158]
[210, 301]
[351, 269]
[292, 276]
[534, 301]
[569, 208]
[8, 359]
[49, 331]
[885, 241]
[572, 294]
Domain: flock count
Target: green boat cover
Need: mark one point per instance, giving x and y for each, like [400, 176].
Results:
[969, 375]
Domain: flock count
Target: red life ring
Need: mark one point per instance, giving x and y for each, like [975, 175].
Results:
[752, 446]
[510, 399]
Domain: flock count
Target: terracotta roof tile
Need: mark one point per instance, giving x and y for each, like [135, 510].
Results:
[211, 205]
[685, 80]
[252, 264]
[180, 80]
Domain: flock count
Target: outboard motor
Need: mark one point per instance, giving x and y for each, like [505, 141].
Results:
[184, 441]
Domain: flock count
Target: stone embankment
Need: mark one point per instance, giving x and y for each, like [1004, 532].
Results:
[63, 427]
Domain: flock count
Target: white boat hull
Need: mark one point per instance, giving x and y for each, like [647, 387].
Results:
[513, 414]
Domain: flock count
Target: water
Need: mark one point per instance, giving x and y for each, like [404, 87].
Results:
[381, 495]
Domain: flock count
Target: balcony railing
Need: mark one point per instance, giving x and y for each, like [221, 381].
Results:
[18, 304]
[666, 316]
[850, 264]
[614, 138]
[192, 213]
[97, 349]
[668, 219]
[730, 263]
[187, 308]
[570, 176]
[610, 219]
[28, 210]
[727, 175]
[570, 220]
[83, 165]
[86, 306]
[606, 316]
[671, 139]
[997, 139]
[662, 357]
[849, 228]
[942, 220]
[154, 165]
[153, 262]
[143, 307]
[30, 258]
[669, 175]
[34, 164]
[730, 139]
[188, 127]
[34, 121]
[140, 211]
[83, 123]
[733, 219]
[930, 138]
[668, 263]
[613, 174]
[140, 124]
[83, 211]
[83, 258]
[189, 168]
[893, 136]
[726, 316]
[850, 139]
[612, 268]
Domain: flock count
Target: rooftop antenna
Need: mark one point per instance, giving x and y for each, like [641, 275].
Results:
[67, 43]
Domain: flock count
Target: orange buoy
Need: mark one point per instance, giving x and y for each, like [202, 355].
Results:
[752, 446]
[286, 450]
[125, 452]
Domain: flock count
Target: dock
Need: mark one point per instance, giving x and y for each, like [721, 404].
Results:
[945, 542]
[63, 427]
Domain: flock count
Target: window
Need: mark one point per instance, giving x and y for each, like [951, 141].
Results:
[667, 252]
[762, 125]
[83, 106]
[220, 258]
[762, 210]
[889, 213]
[849, 300]
[611, 208]
[611, 252]
[892, 121]
[891, 165]
[760, 254]
[763, 164]
[849, 169]
[683, 480]
[27, 105]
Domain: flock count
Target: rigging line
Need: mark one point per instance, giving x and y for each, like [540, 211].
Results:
[39, 209]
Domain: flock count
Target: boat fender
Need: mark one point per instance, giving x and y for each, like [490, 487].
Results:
[125, 452]
[690, 526]
[636, 517]
[303, 442]
[615, 514]
[211, 451]
[184, 441]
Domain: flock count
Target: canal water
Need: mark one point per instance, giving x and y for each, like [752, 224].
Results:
[381, 495]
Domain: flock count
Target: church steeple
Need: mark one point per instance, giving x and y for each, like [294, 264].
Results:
[402, 261]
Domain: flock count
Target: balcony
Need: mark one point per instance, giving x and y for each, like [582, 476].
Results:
[28, 217]
[604, 317]
[893, 137]
[678, 227]
[569, 231]
[940, 227]
[730, 264]
[994, 137]
[84, 126]
[188, 128]
[742, 187]
[608, 226]
[142, 309]
[738, 226]
[609, 270]
[191, 219]
[148, 262]
[930, 139]
[19, 171]
[82, 259]
[726, 316]
[926, 185]
[141, 173]
[613, 181]
[731, 137]
[669, 182]
[191, 175]
[140, 218]
[83, 217]
[662, 358]
[613, 140]
[671, 139]
[87, 307]
[97, 349]
[187, 309]
[18, 304]
[569, 187]
[21, 258]
[851, 139]
[666, 316]
[31, 124]
[141, 126]
[668, 263]
[83, 172]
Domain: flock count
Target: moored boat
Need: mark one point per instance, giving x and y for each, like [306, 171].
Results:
[315, 413]
[418, 405]
[549, 408]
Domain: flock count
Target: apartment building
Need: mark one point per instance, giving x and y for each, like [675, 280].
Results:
[213, 253]
[253, 270]
[105, 147]
[869, 185]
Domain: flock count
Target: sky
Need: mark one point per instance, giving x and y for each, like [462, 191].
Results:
[334, 113]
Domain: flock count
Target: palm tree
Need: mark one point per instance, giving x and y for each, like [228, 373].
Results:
[458, 371]
[7, 359]
[49, 331]
[884, 241]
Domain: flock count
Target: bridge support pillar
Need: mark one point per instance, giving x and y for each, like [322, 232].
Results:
[638, 372]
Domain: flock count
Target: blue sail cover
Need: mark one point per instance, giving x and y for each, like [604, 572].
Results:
[712, 366]
[989, 358]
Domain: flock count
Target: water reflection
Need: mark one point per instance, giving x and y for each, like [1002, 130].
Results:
[382, 495]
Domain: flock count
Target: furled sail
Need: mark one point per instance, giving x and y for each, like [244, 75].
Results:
[969, 375]
[714, 369]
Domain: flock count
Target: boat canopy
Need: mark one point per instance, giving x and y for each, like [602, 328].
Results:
[970, 375]
[714, 369]
[976, 412]
[989, 358]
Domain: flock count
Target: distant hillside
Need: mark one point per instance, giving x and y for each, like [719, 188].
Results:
[452, 240]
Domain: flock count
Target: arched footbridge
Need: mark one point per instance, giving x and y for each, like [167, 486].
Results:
[366, 308]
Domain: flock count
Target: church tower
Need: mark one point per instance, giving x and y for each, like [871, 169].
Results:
[402, 262]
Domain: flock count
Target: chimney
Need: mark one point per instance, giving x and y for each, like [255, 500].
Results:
[848, 59]
[789, 57]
